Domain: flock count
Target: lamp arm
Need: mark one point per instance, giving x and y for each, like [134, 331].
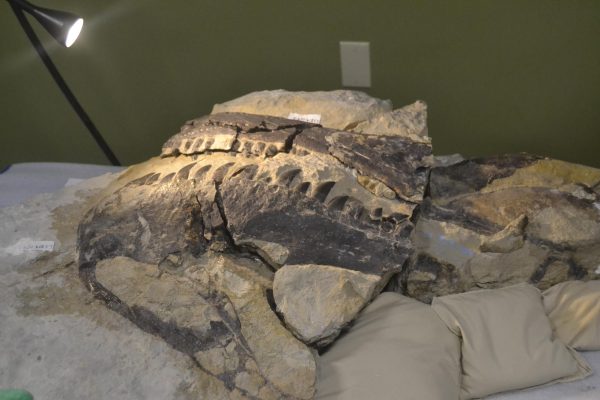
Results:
[23, 4]
[16, 6]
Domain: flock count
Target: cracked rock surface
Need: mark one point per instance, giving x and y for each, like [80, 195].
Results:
[496, 221]
[214, 309]
[186, 246]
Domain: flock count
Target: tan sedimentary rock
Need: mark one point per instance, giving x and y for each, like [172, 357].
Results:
[338, 109]
[317, 301]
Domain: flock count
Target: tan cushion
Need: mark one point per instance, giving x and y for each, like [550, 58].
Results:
[397, 349]
[574, 311]
[507, 341]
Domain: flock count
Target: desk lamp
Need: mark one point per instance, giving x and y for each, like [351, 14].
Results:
[65, 28]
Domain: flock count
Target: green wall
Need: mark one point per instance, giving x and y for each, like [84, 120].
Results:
[499, 76]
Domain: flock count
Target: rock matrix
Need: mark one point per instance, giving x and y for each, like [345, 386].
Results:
[496, 221]
[338, 109]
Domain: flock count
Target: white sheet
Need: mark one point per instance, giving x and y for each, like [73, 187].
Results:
[22, 181]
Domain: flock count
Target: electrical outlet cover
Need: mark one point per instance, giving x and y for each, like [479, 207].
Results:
[355, 59]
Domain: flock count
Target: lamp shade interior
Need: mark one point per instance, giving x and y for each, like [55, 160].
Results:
[74, 32]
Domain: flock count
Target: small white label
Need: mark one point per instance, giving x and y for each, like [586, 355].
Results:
[41, 245]
[597, 271]
[312, 118]
[73, 181]
[28, 246]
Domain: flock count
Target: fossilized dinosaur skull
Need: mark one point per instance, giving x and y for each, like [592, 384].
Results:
[233, 198]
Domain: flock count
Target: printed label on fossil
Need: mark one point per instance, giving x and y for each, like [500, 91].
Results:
[312, 118]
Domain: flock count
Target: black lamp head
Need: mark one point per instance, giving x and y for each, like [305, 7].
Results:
[63, 26]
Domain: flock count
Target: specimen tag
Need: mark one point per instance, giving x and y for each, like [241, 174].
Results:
[40, 245]
[312, 118]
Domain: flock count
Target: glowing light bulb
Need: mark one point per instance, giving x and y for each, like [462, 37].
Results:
[74, 32]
